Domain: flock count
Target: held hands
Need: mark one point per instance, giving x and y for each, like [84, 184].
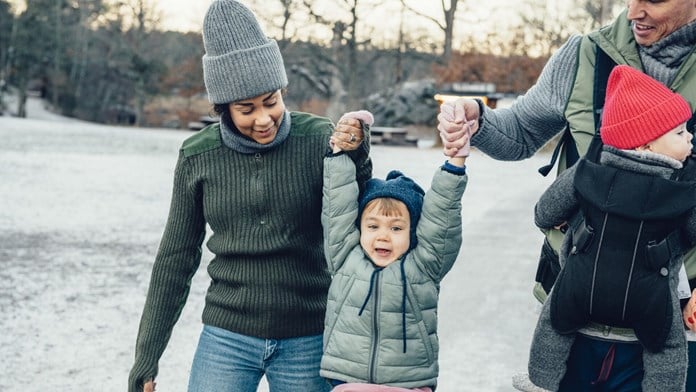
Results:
[455, 129]
[349, 132]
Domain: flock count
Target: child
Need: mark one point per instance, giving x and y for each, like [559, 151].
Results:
[641, 176]
[381, 318]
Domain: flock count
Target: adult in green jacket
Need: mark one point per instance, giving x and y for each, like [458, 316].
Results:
[656, 37]
[255, 180]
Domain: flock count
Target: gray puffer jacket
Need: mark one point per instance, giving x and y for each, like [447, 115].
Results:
[381, 323]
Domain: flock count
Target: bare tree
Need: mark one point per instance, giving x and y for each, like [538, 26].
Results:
[7, 27]
[338, 78]
[449, 10]
[145, 19]
[32, 40]
[289, 9]
[543, 28]
[600, 12]
[400, 48]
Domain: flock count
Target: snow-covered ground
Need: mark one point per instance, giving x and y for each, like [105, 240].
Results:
[82, 208]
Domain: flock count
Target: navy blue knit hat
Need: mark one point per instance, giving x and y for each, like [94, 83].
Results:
[399, 187]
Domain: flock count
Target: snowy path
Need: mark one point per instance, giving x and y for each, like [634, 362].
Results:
[82, 208]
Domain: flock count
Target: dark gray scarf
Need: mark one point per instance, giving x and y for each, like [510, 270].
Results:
[662, 59]
[242, 144]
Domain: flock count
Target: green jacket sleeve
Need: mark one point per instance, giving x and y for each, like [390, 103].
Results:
[177, 260]
[439, 230]
[339, 210]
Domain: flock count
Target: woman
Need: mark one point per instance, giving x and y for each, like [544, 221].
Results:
[656, 37]
[256, 180]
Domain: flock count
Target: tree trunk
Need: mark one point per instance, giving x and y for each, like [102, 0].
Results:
[22, 101]
[605, 12]
[449, 31]
[55, 77]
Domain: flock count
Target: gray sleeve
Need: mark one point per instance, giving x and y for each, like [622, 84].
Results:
[558, 203]
[517, 132]
[548, 352]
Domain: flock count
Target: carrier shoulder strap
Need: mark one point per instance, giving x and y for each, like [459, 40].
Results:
[603, 66]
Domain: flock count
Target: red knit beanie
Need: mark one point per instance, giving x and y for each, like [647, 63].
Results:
[638, 109]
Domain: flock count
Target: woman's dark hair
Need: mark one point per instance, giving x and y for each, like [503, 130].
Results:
[223, 110]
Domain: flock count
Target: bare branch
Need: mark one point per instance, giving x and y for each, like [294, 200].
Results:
[434, 20]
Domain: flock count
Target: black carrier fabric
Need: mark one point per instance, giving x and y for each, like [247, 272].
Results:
[616, 272]
[548, 267]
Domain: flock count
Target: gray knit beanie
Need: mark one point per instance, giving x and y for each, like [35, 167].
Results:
[240, 62]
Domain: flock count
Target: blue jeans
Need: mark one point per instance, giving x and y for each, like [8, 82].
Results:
[228, 361]
[585, 362]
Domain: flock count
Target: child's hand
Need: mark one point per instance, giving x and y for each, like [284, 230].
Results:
[451, 117]
[689, 312]
[349, 131]
[455, 131]
[457, 144]
[363, 115]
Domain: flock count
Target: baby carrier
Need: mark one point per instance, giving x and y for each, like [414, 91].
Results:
[618, 261]
[548, 267]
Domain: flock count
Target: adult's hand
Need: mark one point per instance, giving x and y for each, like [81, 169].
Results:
[149, 386]
[349, 131]
[452, 123]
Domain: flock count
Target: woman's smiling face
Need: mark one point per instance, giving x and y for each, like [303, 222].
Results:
[258, 118]
[653, 20]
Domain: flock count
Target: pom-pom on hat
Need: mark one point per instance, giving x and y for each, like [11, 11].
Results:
[638, 109]
[240, 62]
[396, 186]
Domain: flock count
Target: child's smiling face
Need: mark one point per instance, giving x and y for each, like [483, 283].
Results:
[385, 230]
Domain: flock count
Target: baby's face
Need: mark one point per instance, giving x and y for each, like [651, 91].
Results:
[385, 237]
[675, 143]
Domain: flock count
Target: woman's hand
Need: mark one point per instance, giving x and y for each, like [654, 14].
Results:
[149, 386]
[349, 131]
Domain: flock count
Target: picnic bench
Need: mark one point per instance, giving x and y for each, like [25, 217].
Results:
[391, 135]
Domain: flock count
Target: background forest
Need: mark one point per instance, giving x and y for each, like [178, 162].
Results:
[109, 61]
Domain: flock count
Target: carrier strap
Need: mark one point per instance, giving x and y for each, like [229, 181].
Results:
[603, 66]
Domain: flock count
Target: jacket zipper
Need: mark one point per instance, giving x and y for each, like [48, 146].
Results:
[630, 274]
[596, 260]
[375, 332]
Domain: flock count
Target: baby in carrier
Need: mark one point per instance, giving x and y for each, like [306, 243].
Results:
[630, 210]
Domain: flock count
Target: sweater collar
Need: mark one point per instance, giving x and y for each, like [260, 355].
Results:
[233, 139]
[662, 59]
[672, 49]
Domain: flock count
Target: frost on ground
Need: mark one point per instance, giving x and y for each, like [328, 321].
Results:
[82, 208]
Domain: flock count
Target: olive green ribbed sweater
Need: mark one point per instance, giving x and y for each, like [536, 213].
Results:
[269, 278]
